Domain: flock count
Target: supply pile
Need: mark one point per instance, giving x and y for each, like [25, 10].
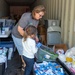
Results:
[48, 68]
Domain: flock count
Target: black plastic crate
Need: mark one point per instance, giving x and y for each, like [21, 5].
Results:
[59, 65]
[2, 68]
[65, 67]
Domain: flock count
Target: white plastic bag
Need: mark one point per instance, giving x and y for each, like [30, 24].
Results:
[70, 52]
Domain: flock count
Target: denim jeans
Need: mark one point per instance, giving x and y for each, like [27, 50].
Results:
[18, 44]
[29, 65]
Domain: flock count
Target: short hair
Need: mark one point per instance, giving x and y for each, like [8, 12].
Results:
[38, 9]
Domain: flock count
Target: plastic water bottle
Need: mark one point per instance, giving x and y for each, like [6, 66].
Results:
[3, 31]
[10, 53]
[4, 51]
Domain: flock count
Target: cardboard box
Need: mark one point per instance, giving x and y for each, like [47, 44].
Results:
[60, 46]
[42, 39]
[41, 30]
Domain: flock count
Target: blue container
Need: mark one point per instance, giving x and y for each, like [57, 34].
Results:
[7, 44]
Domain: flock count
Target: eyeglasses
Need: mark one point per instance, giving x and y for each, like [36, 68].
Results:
[40, 15]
